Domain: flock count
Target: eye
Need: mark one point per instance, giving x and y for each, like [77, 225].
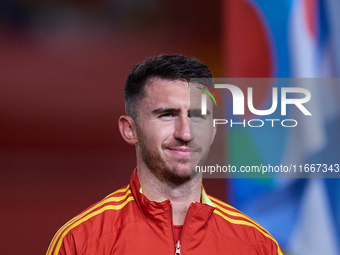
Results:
[196, 115]
[167, 115]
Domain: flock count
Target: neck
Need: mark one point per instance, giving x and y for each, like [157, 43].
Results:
[180, 195]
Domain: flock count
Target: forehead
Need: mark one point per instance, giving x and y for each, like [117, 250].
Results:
[161, 91]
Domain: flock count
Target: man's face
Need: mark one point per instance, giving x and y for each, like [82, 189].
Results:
[171, 132]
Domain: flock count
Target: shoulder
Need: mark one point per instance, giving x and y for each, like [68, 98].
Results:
[237, 225]
[93, 221]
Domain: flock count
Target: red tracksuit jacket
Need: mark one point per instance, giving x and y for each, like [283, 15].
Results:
[126, 222]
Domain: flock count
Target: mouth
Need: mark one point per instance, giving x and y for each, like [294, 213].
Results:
[181, 151]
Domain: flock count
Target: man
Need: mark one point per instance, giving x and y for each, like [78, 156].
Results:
[164, 209]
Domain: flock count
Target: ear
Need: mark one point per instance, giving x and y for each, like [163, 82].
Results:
[127, 129]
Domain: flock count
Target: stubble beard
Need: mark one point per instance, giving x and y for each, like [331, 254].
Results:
[159, 167]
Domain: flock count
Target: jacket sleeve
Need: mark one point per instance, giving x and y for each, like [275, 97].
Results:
[62, 246]
[68, 242]
[267, 245]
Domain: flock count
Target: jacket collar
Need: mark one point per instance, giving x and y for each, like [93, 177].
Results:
[160, 210]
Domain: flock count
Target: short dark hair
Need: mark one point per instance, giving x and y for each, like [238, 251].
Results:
[168, 67]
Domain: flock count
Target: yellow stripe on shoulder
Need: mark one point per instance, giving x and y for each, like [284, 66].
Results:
[215, 200]
[122, 190]
[246, 223]
[217, 203]
[250, 222]
[107, 199]
[108, 207]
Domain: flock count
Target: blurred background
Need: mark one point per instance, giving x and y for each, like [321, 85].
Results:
[62, 70]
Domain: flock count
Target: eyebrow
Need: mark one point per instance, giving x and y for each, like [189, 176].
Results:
[166, 110]
[177, 110]
[197, 112]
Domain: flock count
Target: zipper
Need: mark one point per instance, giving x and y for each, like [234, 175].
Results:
[178, 248]
[178, 244]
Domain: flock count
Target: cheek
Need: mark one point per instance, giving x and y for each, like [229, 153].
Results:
[203, 129]
[155, 133]
[205, 135]
[164, 130]
[156, 137]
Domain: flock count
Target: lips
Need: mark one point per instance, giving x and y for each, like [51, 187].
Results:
[181, 151]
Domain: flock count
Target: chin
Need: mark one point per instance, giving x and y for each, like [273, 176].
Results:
[177, 174]
[177, 178]
[180, 174]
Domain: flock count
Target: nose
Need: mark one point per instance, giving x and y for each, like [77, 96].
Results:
[182, 129]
